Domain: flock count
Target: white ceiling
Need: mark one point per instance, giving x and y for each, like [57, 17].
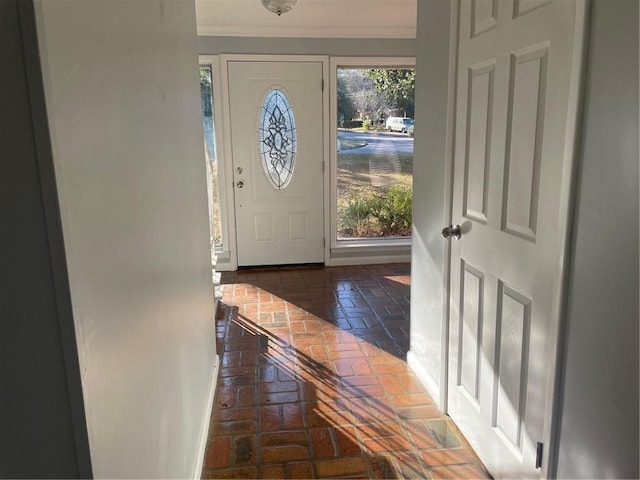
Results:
[309, 18]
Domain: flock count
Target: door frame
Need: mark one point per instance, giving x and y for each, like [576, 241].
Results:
[226, 156]
[565, 219]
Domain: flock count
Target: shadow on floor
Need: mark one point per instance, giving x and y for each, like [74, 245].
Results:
[300, 395]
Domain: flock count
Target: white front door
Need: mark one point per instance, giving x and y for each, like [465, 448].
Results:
[277, 148]
[512, 151]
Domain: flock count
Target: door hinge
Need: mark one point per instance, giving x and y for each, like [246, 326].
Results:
[322, 84]
[539, 453]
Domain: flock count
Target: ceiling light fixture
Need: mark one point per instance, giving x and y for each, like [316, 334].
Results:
[279, 6]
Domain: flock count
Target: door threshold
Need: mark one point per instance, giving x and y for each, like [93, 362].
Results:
[288, 266]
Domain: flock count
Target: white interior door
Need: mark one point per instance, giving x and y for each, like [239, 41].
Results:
[512, 149]
[277, 148]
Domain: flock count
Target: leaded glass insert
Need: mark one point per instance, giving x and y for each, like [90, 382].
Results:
[277, 138]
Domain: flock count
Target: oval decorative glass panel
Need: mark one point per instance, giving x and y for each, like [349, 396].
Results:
[277, 138]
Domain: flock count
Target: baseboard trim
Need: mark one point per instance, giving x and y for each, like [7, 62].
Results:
[427, 380]
[202, 444]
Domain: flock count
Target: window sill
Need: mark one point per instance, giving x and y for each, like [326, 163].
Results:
[369, 251]
[222, 261]
[372, 243]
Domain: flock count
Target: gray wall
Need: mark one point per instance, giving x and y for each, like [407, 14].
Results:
[123, 100]
[430, 152]
[42, 422]
[599, 429]
[307, 46]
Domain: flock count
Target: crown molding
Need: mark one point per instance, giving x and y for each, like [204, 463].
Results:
[307, 32]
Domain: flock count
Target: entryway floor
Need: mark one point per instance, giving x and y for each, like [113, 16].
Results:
[314, 381]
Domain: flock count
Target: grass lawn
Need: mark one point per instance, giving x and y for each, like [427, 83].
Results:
[361, 176]
[358, 174]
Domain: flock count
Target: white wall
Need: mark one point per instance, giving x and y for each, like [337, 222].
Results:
[599, 426]
[123, 102]
[430, 151]
[351, 47]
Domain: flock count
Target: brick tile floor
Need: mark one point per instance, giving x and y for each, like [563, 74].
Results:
[314, 381]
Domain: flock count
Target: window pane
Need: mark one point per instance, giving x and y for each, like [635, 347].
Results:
[375, 152]
[208, 125]
[277, 139]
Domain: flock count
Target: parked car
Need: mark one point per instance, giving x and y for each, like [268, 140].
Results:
[398, 124]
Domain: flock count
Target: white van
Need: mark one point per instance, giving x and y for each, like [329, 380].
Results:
[398, 124]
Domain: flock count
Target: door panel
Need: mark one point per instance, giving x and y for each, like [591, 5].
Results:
[471, 333]
[478, 142]
[275, 225]
[513, 86]
[524, 139]
[511, 367]
[484, 16]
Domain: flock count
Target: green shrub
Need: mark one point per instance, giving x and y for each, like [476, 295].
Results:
[356, 216]
[367, 124]
[384, 213]
[393, 211]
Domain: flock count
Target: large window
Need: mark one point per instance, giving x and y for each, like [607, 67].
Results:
[374, 161]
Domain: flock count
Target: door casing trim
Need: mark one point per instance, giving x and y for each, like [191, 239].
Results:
[226, 158]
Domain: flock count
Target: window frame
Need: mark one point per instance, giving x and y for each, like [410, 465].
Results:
[222, 251]
[335, 63]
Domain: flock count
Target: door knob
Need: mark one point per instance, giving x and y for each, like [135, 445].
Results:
[452, 231]
[239, 170]
[240, 184]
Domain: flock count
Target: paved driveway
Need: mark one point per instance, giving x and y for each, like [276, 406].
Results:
[378, 143]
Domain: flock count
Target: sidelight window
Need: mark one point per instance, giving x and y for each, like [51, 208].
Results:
[211, 157]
